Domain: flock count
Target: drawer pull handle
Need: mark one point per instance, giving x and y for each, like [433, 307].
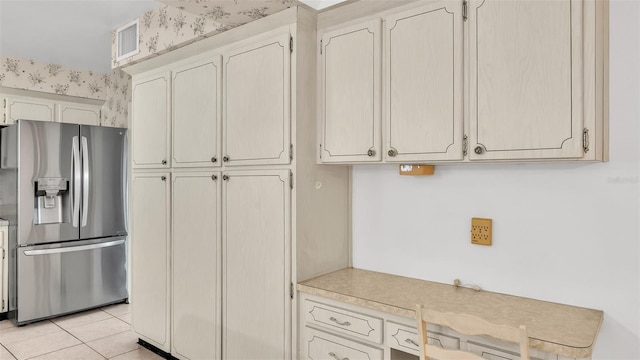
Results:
[333, 355]
[409, 341]
[346, 323]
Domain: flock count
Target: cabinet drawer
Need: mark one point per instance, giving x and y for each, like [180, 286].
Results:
[322, 346]
[492, 353]
[405, 338]
[344, 321]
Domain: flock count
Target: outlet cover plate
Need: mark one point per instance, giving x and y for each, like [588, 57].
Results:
[417, 169]
[481, 231]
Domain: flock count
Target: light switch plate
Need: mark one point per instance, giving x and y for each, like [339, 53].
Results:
[481, 231]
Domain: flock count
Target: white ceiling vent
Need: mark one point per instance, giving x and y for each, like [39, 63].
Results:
[127, 40]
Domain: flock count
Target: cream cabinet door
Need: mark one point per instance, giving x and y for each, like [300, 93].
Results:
[79, 114]
[350, 110]
[27, 108]
[4, 267]
[150, 123]
[424, 83]
[257, 88]
[150, 286]
[196, 109]
[525, 85]
[256, 243]
[196, 265]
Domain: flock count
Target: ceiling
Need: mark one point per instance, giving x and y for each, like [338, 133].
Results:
[73, 33]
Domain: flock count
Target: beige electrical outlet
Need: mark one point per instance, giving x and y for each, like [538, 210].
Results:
[481, 231]
[417, 169]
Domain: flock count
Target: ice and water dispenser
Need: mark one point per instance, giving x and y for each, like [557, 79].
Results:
[51, 200]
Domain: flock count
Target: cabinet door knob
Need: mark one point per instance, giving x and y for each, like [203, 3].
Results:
[164, 162]
[163, 178]
[478, 150]
[392, 152]
[214, 177]
[225, 158]
[371, 152]
[225, 177]
[214, 159]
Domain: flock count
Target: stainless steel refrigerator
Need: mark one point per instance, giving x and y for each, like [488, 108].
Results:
[63, 188]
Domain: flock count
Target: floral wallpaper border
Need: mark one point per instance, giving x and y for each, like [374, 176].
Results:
[52, 78]
[181, 22]
[113, 88]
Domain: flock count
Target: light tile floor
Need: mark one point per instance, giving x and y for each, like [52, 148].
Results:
[98, 334]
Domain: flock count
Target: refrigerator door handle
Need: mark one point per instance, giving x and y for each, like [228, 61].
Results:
[85, 181]
[73, 248]
[75, 157]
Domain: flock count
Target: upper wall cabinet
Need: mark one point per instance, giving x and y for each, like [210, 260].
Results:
[257, 90]
[176, 115]
[525, 79]
[18, 107]
[183, 103]
[196, 113]
[468, 81]
[350, 72]
[423, 84]
[151, 126]
[78, 114]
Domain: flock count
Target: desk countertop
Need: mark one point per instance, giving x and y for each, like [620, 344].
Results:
[556, 328]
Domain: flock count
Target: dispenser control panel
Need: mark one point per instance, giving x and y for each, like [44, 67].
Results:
[51, 184]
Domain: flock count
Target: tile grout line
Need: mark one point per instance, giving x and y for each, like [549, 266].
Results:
[80, 315]
[62, 329]
[32, 337]
[87, 343]
[113, 317]
[122, 332]
[15, 357]
[73, 336]
[81, 342]
[127, 352]
[64, 348]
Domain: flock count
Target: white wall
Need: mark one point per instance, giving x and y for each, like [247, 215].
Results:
[566, 233]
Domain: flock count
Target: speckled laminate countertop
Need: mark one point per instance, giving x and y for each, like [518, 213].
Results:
[556, 328]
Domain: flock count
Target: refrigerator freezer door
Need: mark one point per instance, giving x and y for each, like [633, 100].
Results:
[104, 182]
[47, 185]
[60, 278]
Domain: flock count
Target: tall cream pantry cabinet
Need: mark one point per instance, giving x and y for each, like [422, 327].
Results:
[229, 208]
